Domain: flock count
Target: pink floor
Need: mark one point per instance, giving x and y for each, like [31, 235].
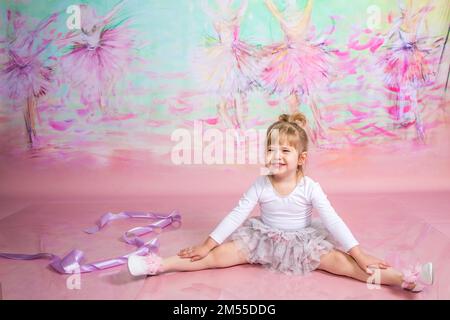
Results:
[413, 225]
[396, 202]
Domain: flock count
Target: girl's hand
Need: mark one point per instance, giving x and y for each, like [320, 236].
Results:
[194, 253]
[368, 262]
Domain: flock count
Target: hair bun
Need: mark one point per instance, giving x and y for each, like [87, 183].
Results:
[297, 117]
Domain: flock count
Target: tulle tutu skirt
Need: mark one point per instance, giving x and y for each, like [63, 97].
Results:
[290, 252]
[295, 67]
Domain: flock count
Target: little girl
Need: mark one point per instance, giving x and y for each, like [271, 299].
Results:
[284, 238]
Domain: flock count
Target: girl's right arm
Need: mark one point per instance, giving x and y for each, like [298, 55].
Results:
[228, 225]
[200, 251]
[210, 243]
[239, 214]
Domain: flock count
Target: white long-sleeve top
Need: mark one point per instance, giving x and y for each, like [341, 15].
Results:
[290, 212]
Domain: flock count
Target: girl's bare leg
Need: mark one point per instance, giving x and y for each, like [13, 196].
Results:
[340, 263]
[225, 255]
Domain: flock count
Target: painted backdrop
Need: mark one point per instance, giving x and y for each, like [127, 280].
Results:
[111, 79]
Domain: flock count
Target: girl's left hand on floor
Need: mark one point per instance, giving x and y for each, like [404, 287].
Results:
[194, 253]
[368, 262]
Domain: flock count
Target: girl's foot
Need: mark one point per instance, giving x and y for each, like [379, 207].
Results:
[144, 265]
[420, 277]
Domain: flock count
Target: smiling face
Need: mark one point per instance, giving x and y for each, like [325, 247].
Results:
[281, 160]
[284, 159]
[287, 146]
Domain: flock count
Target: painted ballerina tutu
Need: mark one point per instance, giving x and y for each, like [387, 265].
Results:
[97, 55]
[26, 75]
[227, 67]
[230, 67]
[407, 64]
[297, 66]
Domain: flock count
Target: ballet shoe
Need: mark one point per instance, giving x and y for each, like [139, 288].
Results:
[420, 276]
[144, 265]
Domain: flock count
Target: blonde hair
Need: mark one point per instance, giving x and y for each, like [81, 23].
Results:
[292, 129]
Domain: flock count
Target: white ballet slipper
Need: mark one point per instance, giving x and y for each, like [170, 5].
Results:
[420, 276]
[144, 265]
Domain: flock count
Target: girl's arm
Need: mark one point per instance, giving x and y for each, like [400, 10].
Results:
[366, 261]
[210, 243]
[331, 219]
[200, 251]
[239, 214]
[342, 233]
[227, 226]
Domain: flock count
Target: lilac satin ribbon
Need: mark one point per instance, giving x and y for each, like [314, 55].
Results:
[72, 262]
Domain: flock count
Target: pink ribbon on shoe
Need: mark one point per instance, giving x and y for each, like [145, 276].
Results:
[72, 261]
[411, 276]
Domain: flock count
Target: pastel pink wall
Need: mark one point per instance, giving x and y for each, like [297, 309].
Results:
[366, 169]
